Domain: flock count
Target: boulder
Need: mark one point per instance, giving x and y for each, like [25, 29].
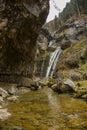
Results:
[55, 87]
[66, 89]
[1, 99]
[13, 89]
[3, 93]
[25, 82]
[62, 88]
[70, 84]
[34, 86]
[12, 98]
[10, 88]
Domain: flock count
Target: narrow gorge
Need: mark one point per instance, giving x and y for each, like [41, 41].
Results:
[43, 66]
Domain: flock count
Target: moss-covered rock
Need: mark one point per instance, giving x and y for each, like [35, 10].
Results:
[82, 89]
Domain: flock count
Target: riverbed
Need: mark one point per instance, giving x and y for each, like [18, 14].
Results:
[46, 110]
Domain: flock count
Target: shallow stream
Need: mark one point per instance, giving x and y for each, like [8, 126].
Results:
[46, 110]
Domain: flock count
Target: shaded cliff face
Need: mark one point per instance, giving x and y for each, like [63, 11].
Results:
[20, 23]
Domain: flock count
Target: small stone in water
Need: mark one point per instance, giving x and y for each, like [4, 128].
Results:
[17, 128]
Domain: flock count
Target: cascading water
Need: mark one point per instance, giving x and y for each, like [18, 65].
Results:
[50, 61]
[53, 61]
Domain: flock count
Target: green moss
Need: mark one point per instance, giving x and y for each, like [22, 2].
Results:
[50, 82]
[80, 93]
[77, 47]
[66, 50]
[81, 83]
[83, 67]
[79, 44]
[62, 33]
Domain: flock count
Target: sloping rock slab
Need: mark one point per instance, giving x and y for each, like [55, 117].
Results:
[3, 93]
[70, 83]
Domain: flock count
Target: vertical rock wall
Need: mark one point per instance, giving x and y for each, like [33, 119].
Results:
[20, 23]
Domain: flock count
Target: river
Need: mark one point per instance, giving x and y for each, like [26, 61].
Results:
[46, 110]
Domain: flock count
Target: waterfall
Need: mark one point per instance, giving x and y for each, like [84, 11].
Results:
[53, 61]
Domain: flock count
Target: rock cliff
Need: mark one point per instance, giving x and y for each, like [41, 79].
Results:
[69, 31]
[20, 23]
[75, 8]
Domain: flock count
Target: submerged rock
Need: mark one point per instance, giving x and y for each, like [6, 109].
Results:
[4, 114]
[12, 98]
[23, 90]
[17, 128]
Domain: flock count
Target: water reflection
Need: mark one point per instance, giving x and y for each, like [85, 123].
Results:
[46, 110]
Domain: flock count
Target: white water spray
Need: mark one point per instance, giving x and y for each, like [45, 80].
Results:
[53, 61]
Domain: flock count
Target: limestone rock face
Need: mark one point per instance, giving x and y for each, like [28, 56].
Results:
[20, 23]
[3, 93]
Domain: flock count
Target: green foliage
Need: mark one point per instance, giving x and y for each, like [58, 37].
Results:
[50, 82]
[82, 83]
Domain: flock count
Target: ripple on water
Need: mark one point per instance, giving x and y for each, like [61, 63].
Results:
[46, 110]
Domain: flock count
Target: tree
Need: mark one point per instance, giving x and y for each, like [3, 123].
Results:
[78, 7]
